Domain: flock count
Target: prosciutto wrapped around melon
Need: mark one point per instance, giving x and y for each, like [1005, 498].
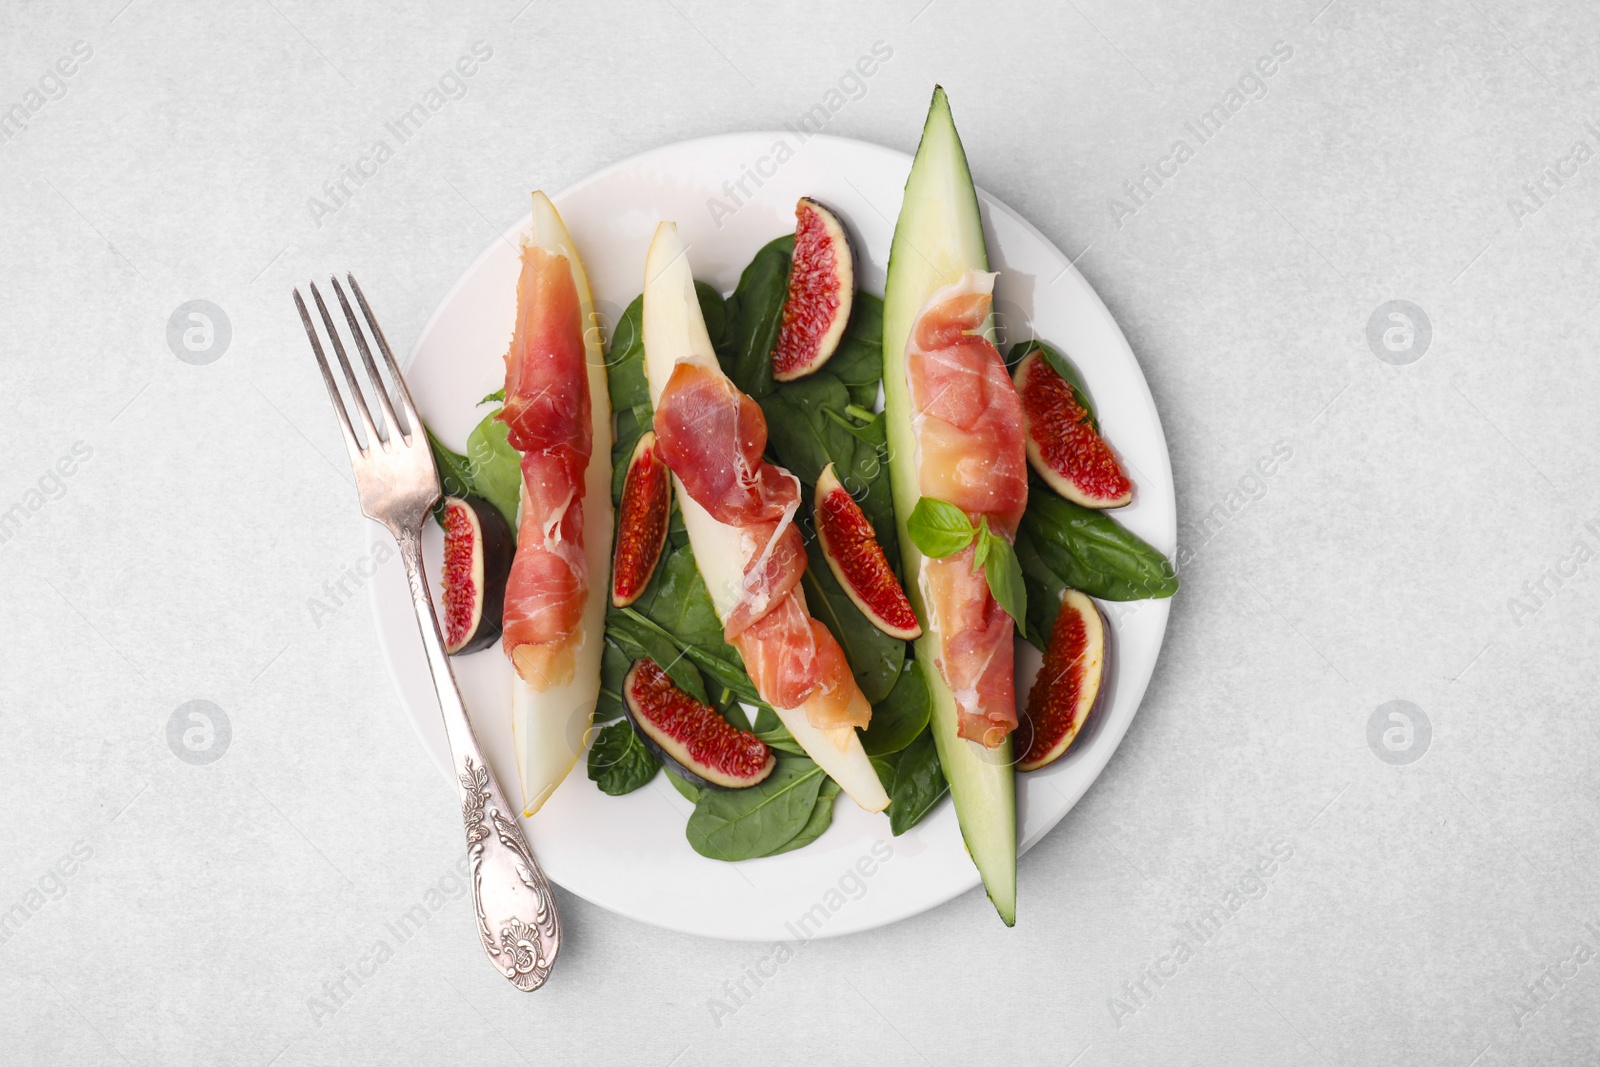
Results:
[739, 512]
[558, 417]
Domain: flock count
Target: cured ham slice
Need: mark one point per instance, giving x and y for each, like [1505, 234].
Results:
[711, 436]
[548, 419]
[970, 452]
[752, 562]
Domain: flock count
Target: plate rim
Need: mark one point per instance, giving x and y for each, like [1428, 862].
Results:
[1114, 737]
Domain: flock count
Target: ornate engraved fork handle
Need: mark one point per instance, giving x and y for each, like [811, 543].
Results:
[516, 909]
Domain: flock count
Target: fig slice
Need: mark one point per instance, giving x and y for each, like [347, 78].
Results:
[1064, 446]
[642, 521]
[695, 742]
[478, 548]
[822, 286]
[1068, 685]
[850, 545]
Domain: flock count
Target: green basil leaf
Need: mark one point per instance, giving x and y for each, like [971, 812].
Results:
[817, 825]
[496, 397]
[980, 553]
[1090, 551]
[741, 824]
[754, 312]
[496, 467]
[618, 761]
[939, 528]
[901, 716]
[1004, 575]
[919, 784]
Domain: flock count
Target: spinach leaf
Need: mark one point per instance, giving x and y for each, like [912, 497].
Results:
[919, 784]
[754, 312]
[817, 825]
[619, 763]
[689, 792]
[901, 716]
[614, 664]
[741, 824]
[625, 360]
[886, 766]
[1090, 551]
[639, 638]
[495, 467]
[727, 670]
[858, 361]
[875, 658]
[866, 477]
[715, 311]
[1044, 593]
[455, 472]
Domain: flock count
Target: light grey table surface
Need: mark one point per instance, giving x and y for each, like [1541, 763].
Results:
[1428, 533]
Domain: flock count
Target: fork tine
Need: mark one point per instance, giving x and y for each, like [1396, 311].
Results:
[366, 358]
[407, 408]
[373, 436]
[327, 379]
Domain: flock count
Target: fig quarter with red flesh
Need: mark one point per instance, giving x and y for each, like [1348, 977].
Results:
[1063, 445]
[478, 547]
[694, 741]
[822, 286]
[850, 545]
[1068, 685]
[642, 521]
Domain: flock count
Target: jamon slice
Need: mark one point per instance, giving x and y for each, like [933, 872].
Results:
[739, 513]
[967, 422]
[558, 415]
[547, 419]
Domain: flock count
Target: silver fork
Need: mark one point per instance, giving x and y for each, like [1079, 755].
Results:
[398, 485]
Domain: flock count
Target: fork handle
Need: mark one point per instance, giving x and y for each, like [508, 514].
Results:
[516, 909]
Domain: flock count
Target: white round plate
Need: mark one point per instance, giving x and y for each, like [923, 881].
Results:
[629, 853]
